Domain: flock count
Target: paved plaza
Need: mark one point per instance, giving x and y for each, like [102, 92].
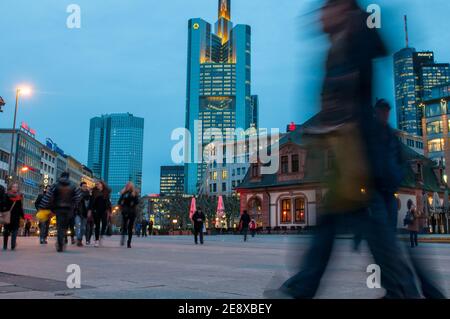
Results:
[173, 267]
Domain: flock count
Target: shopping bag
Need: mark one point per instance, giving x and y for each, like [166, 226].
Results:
[43, 215]
[351, 181]
[5, 217]
[109, 230]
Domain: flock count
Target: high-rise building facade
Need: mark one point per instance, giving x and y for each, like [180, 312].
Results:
[218, 85]
[116, 150]
[436, 123]
[416, 73]
[172, 181]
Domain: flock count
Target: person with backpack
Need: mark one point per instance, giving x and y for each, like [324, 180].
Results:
[62, 198]
[100, 210]
[43, 226]
[128, 202]
[244, 223]
[412, 223]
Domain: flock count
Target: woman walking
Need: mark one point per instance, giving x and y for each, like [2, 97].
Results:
[100, 210]
[128, 202]
[14, 203]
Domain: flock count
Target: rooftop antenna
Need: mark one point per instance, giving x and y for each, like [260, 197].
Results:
[406, 31]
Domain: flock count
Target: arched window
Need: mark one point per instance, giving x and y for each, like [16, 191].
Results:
[286, 212]
[300, 210]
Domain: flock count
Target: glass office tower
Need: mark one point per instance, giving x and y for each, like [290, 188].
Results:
[171, 181]
[116, 150]
[416, 73]
[218, 85]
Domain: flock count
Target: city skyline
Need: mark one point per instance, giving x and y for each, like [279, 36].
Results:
[66, 66]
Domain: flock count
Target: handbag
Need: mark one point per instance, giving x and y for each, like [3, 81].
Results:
[351, 180]
[109, 230]
[5, 217]
[43, 215]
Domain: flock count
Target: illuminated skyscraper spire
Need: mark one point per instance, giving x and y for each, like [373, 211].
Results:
[225, 9]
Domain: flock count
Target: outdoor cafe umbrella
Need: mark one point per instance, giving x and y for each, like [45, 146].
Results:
[220, 208]
[220, 212]
[193, 208]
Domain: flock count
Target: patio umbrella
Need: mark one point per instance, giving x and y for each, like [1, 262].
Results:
[193, 208]
[220, 207]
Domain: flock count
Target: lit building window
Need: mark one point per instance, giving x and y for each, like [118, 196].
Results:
[286, 213]
[224, 174]
[300, 210]
[436, 145]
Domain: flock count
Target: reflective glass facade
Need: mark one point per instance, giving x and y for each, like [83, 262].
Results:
[416, 73]
[116, 150]
[172, 181]
[218, 84]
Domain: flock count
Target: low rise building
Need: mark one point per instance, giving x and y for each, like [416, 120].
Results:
[289, 199]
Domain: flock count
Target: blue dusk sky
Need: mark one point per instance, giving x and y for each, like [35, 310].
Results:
[130, 56]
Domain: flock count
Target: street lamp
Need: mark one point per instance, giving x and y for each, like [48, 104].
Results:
[22, 90]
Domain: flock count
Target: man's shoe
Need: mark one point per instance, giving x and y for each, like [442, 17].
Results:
[96, 243]
[128, 245]
[79, 243]
[73, 241]
[45, 242]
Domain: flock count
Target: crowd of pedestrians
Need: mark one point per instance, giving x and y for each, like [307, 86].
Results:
[81, 213]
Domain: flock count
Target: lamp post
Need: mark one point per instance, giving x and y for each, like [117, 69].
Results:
[19, 91]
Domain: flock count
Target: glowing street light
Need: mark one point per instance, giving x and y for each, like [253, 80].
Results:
[24, 169]
[21, 90]
[24, 90]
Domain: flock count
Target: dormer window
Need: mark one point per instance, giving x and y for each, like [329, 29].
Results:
[284, 164]
[255, 170]
[295, 163]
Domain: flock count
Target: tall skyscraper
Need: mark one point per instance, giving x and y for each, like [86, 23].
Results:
[171, 181]
[116, 149]
[218, 84]
[416, 73]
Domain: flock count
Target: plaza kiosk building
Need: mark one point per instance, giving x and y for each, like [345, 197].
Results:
[289, 199]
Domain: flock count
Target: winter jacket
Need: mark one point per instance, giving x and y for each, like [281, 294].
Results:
[63, 195]
[83, 205]
[17, 211]
[245, 220]
[198, 218]
[38, 201]
[100, 204]
[415, 226]
[128, 203]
